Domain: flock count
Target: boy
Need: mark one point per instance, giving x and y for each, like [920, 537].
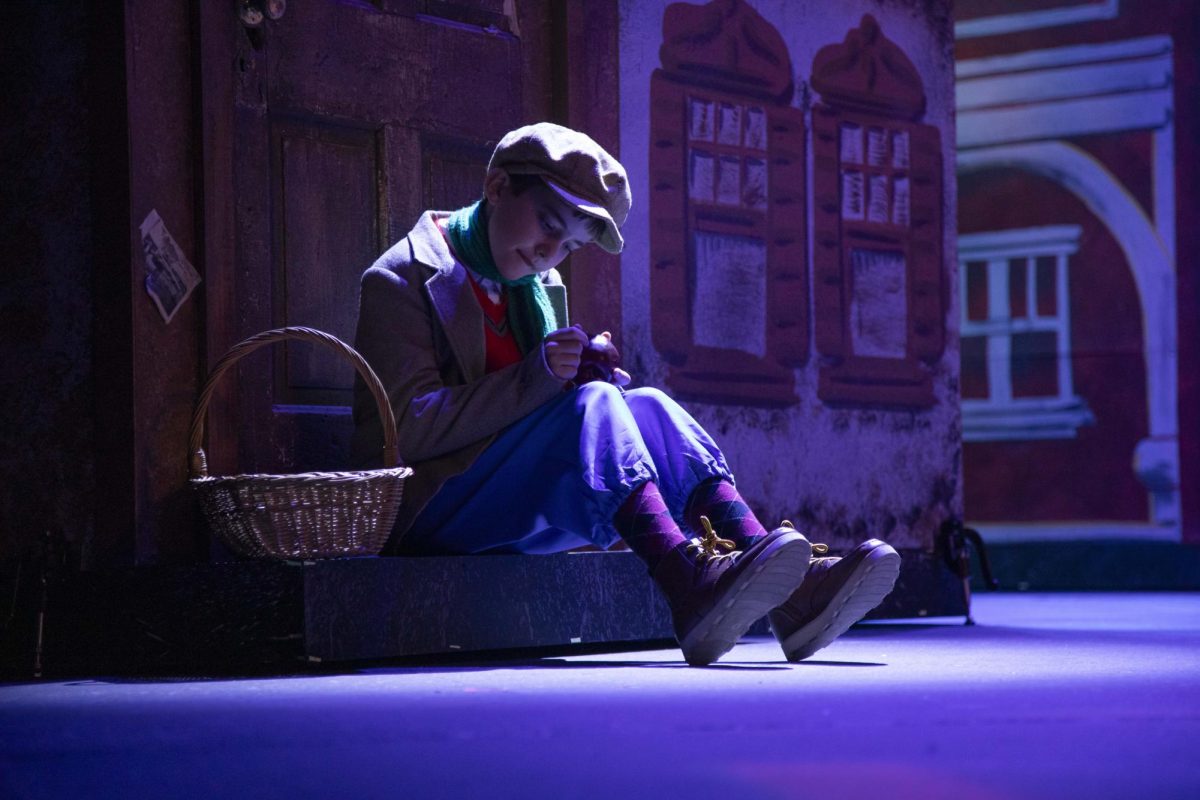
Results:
[465, 322]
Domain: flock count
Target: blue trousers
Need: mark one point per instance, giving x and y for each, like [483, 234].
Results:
[553, 480]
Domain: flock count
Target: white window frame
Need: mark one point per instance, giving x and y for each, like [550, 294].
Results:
[1002, 417]
[1053, 16]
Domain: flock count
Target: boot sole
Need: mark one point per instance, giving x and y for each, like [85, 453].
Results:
[775, 574]
[870, 582]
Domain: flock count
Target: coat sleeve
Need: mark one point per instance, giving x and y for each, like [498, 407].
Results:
[396, 334]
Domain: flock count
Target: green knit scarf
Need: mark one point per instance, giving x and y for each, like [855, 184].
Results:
[530, 314]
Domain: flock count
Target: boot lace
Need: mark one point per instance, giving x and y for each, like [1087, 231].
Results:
[705, 547]
[818, 549]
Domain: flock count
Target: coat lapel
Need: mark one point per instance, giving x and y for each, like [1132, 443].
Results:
[452, 298]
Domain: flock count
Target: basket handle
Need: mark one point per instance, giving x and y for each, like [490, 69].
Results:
[199, 462]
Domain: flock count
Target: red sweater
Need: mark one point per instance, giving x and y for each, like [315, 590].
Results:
[498, 337]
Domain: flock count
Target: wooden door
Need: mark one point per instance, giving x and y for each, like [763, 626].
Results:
[327, 132]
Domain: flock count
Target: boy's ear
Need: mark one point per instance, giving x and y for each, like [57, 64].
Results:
[495, 182]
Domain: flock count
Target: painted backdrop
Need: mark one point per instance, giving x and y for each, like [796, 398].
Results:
[1072, 117]
[790, 267]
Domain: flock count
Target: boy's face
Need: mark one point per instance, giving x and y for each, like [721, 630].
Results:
[533, 231]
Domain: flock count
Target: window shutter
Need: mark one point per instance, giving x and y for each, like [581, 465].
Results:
[668, 213]
[927, 302]
[830, 315]
[787, 296]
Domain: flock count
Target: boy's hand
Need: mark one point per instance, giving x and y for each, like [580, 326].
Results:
[619, 377]
[562, 349]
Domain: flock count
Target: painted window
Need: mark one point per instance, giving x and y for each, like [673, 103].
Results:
[727, 211]
[878, 288]
[1016, 335]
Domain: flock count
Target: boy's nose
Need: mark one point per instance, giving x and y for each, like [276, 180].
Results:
[548, 247]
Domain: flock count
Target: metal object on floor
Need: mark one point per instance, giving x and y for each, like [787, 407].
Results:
[51, 557]
[956, 537]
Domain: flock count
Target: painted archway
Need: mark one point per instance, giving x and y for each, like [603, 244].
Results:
[1156, 459]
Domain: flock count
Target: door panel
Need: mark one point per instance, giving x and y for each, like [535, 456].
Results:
[348, 120]
[329, 173]
[450, 170]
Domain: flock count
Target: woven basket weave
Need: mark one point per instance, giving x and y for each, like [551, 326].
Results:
[307, 515]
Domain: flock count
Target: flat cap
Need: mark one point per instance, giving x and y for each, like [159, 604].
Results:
[573, 165]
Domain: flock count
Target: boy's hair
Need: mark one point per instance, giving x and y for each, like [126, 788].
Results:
[521, 183]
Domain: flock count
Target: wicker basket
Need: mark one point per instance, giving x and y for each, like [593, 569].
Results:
[311, 514]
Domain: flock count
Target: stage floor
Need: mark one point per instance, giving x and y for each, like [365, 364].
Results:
[1049, 696]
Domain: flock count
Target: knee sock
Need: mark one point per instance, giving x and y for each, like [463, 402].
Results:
[645, 524]
[731, 518]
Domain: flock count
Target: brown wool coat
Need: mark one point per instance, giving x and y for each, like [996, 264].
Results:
[421, 330]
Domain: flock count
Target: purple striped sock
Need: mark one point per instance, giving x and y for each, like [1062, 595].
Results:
[731, 518]
[646, 525]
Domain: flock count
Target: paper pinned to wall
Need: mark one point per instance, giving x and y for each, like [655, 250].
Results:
[170, 277]
[730, 306]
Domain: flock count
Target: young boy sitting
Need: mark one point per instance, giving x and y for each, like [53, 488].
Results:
[465, 322]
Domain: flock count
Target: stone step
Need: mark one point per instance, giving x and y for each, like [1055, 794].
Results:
[282, 615]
